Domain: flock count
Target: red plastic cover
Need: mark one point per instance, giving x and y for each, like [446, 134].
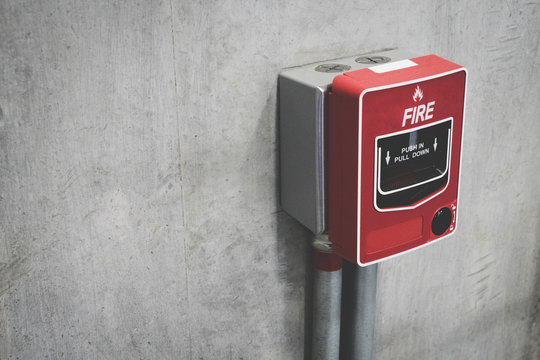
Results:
[395, 134]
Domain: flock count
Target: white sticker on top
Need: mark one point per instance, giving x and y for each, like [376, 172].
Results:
[402, 64]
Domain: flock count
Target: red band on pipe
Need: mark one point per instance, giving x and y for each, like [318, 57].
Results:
[327, 262]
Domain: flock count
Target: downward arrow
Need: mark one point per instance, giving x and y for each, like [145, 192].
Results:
[387, 157]
[435, 144]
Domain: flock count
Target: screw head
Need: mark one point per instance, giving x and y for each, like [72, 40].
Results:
[332, 68]
[376, 59]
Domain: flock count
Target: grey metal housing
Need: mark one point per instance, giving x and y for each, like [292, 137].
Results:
[303, 95]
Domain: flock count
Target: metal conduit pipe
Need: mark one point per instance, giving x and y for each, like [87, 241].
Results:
[344, 306]
[326, 316]
[359, 308]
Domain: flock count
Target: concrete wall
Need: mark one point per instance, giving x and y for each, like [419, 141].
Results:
[139, 216]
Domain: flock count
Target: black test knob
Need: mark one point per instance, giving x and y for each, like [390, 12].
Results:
[441, 221]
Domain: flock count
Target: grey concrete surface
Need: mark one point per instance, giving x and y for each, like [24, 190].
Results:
[139, 216]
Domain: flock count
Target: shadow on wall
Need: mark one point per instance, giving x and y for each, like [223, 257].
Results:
[296, 271]
[295, 258]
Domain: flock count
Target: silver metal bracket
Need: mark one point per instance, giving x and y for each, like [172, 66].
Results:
[322, 244]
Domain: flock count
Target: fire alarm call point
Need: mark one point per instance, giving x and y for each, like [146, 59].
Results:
[370, 151]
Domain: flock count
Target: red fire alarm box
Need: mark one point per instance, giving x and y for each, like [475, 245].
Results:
[370, 151]
[394, 147]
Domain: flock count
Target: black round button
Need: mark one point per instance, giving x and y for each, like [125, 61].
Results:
[441, 221]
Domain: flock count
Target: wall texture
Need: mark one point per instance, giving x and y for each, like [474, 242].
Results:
[139, 216]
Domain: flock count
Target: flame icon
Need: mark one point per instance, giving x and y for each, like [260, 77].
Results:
[418, 94]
